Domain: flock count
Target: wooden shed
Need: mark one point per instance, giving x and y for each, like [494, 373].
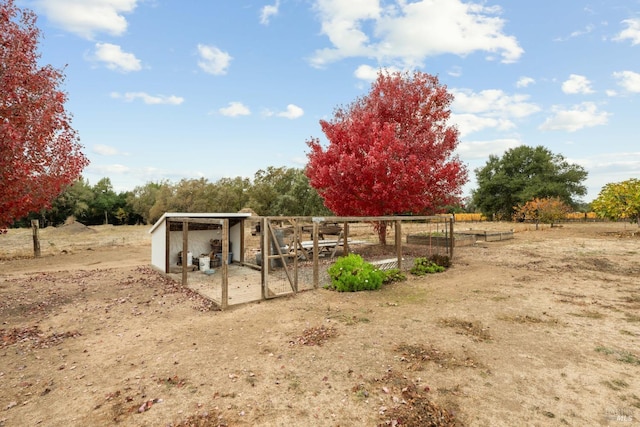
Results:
[196, 232]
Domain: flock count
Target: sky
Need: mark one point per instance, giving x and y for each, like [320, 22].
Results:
[166, 90]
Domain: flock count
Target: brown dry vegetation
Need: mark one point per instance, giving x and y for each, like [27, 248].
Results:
[539, 330]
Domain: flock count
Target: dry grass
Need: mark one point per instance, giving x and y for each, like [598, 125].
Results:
[476, 330]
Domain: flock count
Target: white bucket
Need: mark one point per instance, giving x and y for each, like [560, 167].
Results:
[189, 258]
[204, 263]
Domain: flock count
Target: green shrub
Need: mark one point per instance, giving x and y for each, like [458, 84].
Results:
[393, 275]
[422, 266]
[351, 273]
[441, 260]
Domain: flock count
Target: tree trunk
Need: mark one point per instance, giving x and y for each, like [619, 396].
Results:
[381, 228]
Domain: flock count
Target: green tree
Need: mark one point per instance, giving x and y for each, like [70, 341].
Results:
[104, 201]
[619, 200]
[524, 173]
[285, 191]
[194, 195]
[231, 194]
[142, 199]
[74, 201]
[162, 204]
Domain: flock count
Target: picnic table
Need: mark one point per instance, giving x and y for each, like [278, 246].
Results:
[325, 246]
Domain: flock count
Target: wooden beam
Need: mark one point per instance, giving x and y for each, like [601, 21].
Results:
[316, 255]
[345, 230]
[185, 250]
[241, 241]
[218, 221]
[398, 225]
[264, 250]
[282, 258]
[35, 225]
[224, 264]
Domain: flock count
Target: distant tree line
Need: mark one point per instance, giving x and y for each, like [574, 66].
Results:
[271, 192]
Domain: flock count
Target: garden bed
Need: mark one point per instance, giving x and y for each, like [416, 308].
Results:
[426, 239]
[487, 236]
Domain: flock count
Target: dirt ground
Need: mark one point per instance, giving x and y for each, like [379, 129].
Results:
[540, 330]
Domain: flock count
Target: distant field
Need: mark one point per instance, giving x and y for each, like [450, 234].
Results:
[18, 242]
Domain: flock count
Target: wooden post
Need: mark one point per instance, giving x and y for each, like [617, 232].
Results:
[451, 239]
[399, 243]
[185, 246]
[35, 225]
[316, 267]
[225, 265]
[345, 231]
[296, 237]
[264, 250]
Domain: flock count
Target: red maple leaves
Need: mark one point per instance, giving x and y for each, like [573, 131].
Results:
[39, 150]
[390, 152]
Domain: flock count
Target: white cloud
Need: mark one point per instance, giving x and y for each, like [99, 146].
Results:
[105, 150]
[115, 59]
[632, 32]
[411, 31]
[470, 123]
[268, 11]
[578, 117]
[488, 109]
[366, 72]
[292, 112]
[588, 29]
[628, 80]
[149, 99]
[493, 103]
[369, 73]
[525, 81]
[235, 109]
[626, 163]
[474, 150]
[88, 17]
[577, 84]
[213, 60]
[455, 71]
[108, 170]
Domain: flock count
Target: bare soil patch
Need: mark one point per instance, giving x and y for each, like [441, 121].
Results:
[539, 330]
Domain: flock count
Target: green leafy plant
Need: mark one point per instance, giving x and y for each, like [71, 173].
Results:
[351, 273]
[441, 260]
[423, 266]
[392, 275]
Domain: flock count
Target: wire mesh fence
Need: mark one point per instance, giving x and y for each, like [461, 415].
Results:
[298, 251]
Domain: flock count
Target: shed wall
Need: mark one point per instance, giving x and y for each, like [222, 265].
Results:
[158, 247]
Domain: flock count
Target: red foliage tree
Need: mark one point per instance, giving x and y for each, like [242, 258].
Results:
[390, 152]
[39, 150]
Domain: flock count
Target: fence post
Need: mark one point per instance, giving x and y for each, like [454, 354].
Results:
[224, 264]
[185, 250]
[316, 267]
[35, 225]
[451, 241]
[399, 243]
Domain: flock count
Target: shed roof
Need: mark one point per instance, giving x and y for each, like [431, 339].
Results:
[221, 215]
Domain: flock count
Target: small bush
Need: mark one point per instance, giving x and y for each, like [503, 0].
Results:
[393, 275]
[441, 260]
[422, 266]
[351, 273]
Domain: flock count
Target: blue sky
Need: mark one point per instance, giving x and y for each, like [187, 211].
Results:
[165, 89]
